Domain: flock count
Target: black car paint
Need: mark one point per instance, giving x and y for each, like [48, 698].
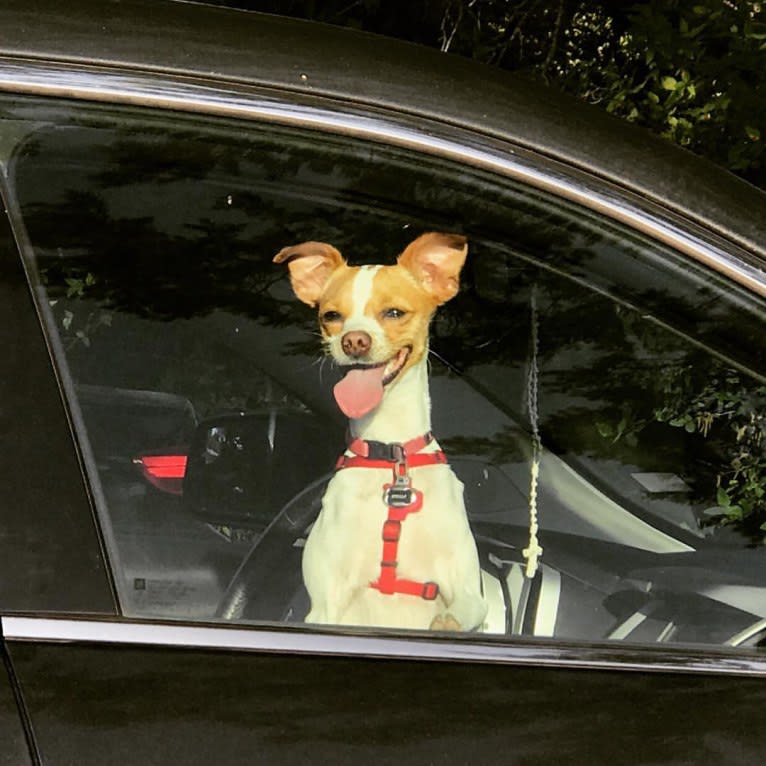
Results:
[111, 704]
[15, 750]
[104, 706]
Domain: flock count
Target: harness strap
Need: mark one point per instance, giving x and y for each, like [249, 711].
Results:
[391, 452]
[414, 461]
[388, 582]
[401, 498]
[428, 591]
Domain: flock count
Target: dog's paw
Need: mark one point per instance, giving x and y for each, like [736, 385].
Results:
[445, 622]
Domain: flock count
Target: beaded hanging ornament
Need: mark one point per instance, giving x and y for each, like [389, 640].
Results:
[533, 551]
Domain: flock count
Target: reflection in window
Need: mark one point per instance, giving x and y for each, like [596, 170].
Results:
[198, 376]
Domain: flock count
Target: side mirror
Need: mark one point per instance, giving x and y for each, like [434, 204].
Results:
[243, 468]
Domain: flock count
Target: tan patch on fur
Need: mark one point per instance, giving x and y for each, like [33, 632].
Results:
[395, 288]
[337, 296]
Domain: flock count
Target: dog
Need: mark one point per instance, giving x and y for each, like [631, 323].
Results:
[391, 546]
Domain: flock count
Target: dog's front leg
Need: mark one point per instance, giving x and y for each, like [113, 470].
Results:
[329, 600]
[327, 595]
[460, 585]
[465, 611]
[327, 569]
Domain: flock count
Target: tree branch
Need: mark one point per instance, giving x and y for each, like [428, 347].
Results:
[555, 37]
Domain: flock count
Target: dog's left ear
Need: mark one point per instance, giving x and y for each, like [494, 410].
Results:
[435, 261]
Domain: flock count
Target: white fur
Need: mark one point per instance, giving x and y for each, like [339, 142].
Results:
[406, 409]
[361, 291]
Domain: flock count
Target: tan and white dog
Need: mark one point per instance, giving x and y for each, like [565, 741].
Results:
[391, 546]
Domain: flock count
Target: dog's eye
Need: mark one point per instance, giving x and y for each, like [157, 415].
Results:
[332, 316]
[394, 313]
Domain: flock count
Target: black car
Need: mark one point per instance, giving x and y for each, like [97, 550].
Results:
[167, 425]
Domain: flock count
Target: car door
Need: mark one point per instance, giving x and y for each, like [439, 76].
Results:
[11, 728]
[172, 430]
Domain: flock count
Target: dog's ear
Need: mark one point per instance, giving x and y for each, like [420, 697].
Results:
[435, 260]
[310, 264]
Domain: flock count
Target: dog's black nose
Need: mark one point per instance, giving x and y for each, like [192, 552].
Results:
[356, 343]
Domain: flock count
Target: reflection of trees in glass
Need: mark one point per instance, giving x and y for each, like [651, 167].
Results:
[508, 445]
[171, 224]
[163, 224]
[727, 412]
[622, 384]
[666, 399]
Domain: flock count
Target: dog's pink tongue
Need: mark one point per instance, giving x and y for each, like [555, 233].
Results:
[360, 391]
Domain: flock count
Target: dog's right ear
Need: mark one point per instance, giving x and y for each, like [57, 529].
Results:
[310, 264]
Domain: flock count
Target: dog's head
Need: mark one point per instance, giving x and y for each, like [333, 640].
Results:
[374, 319]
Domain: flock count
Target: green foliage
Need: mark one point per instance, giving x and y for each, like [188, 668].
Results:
[79, 329]
[727, 405]
[626, 429]
[692, 72]
[716, 405]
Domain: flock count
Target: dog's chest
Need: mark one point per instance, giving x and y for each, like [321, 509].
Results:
[354, 511]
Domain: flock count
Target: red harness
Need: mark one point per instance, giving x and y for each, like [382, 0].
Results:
[401, 499]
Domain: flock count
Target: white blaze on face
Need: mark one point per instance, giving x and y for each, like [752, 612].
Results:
[362, 389]
[361, 292]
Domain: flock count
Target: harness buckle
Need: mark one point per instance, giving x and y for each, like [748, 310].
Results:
[389, 452]
[398, 496]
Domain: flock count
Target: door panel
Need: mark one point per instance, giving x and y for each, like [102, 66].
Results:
[14, 751]
[110, 705]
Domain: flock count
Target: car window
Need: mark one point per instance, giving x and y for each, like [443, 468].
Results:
[585, 379]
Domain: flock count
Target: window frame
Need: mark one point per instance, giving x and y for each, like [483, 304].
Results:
[502, 158]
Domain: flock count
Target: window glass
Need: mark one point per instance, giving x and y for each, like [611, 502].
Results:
[583, 373]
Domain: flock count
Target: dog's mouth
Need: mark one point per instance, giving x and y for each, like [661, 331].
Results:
[362, 387]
